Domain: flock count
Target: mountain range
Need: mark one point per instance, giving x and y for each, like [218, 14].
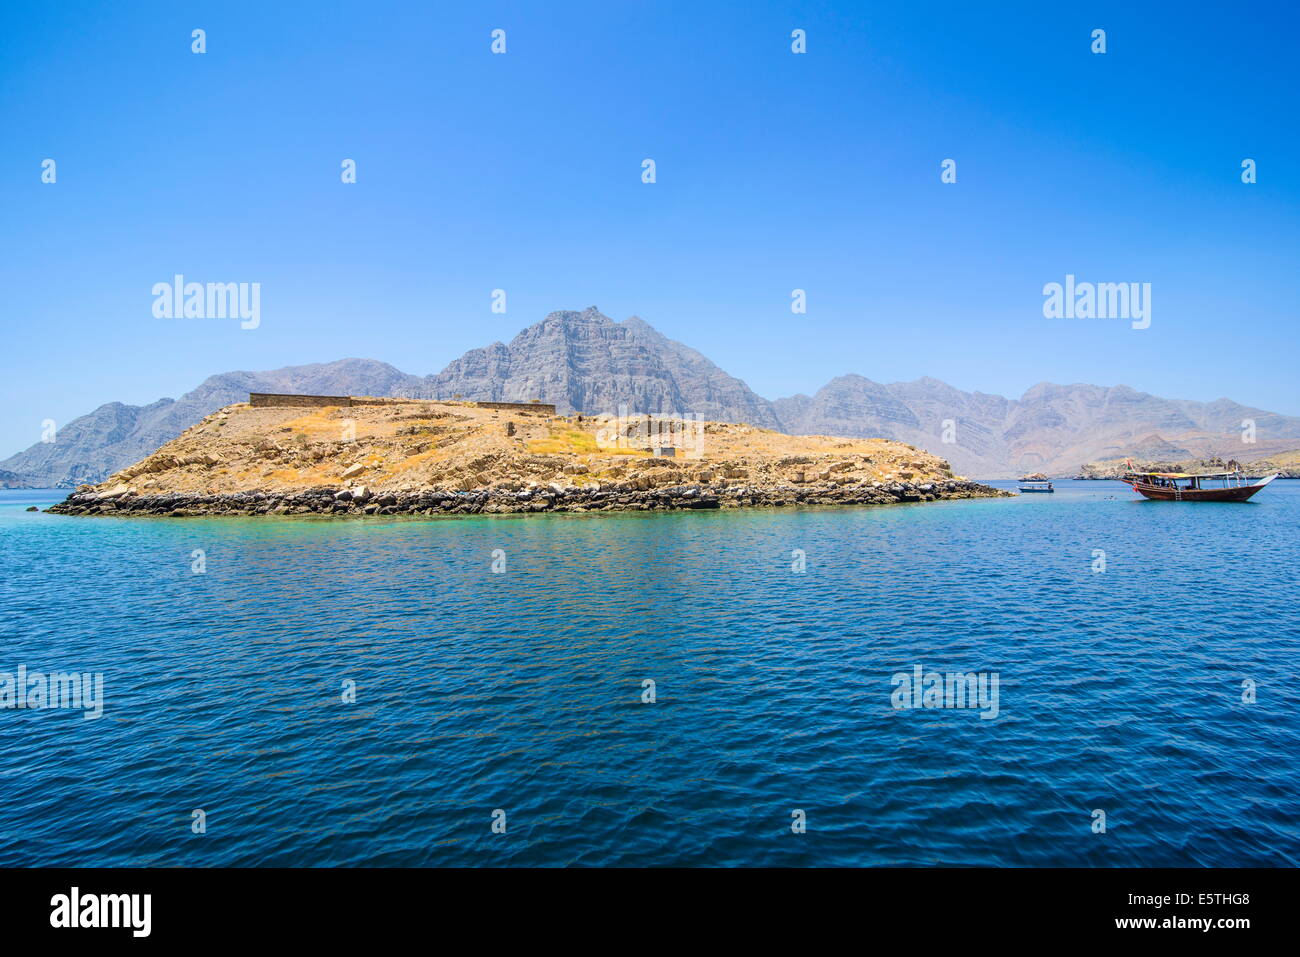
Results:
[587, 362]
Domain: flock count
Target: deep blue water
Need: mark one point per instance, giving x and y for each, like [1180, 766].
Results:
[1119, 690]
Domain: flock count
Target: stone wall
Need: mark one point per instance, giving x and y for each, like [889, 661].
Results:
[267, 399]
[270, 399]
[387, 400]
[539, 407]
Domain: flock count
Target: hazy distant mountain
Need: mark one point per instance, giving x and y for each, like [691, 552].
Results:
[92, 447]
[584, 361]
[1051, 428]
[912, 412]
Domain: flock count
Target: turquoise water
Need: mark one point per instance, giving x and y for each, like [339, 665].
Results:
[1119, 690]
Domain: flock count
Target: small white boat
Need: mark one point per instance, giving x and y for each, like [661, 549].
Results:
[1035, 485]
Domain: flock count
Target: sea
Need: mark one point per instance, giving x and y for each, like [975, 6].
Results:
[1078, 679]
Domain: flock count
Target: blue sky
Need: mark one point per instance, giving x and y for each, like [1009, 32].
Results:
[775, 171]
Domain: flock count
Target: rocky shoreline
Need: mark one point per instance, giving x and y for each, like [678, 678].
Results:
[327, 500]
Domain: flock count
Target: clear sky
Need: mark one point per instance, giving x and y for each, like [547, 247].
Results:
[775, 171]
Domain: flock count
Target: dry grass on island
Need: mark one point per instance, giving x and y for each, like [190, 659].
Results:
[426, 457]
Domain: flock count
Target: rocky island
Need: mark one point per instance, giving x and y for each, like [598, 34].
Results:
[360, 456]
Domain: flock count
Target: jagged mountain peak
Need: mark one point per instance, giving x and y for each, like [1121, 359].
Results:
[586, 362]
[849, 380]
[563, 317]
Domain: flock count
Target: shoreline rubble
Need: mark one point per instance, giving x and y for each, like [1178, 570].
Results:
[608, 497]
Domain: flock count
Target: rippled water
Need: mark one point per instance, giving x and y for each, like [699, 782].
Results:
[1120, 690]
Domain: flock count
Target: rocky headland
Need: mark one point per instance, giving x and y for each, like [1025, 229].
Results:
[1286, 465]
[403, 456]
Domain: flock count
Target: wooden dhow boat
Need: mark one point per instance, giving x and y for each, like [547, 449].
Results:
[1232, 485]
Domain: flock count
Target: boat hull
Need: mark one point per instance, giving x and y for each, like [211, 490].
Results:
[1239, 493]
